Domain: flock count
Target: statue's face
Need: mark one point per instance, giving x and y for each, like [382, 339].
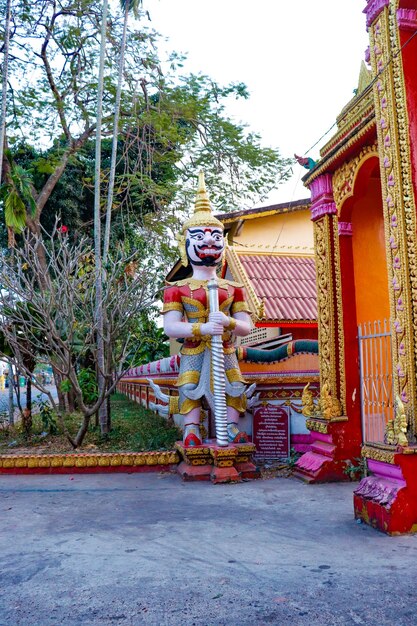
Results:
[204, 245]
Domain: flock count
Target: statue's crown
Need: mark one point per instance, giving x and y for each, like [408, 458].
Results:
[202, 215]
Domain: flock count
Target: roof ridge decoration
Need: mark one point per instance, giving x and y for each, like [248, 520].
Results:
[239, 274]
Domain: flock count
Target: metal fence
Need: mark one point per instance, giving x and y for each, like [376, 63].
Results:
[377, 393]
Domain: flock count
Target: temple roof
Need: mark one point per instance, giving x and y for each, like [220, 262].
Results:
[285, 284]
[272, 209]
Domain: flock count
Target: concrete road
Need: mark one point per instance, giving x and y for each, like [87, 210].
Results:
[148, 549]
[36, 397]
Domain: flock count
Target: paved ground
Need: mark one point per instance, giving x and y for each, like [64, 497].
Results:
[36, 397]
[149, 549]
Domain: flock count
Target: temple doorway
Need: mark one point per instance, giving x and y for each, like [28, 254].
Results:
[371, 307]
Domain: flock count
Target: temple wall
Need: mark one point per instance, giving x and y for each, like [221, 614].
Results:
[278, 384]
[284, 232]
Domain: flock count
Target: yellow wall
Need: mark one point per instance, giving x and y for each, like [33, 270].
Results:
[286, 233]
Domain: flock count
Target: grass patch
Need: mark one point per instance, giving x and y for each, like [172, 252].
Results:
[134, 429]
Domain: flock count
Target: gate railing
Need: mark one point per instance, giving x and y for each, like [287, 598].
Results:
[377, 392]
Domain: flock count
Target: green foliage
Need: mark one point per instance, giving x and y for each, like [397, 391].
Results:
[135, 429]
[65, 385]
[17, 196]
[88, 383]
[293, 458]
[355, 468]
[152, 343]
[171, 125]
[47, 416]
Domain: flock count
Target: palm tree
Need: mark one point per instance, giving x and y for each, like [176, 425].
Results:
[127, 6]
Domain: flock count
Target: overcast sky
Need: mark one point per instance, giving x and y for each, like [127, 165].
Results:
[299, 58]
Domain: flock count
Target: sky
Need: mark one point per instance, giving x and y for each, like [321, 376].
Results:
[300, 60]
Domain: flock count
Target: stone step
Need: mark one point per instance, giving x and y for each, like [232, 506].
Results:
[323, 448]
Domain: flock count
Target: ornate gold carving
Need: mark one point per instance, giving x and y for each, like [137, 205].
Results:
[345, 176]
[317, 426]
[88, 459]
[328, 407]
[182, 249]
[172, 306]
[196, 283]
[378, 454]
[339, 308]
[398, 200]
[396, 429]
[309, 407]
[325, 301]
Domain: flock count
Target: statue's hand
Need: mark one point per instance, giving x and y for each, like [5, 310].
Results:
[219, 318]
[211, 328]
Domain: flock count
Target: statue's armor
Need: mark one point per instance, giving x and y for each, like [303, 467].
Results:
[190, 298]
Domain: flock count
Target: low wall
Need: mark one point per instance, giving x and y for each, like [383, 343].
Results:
[278, 383]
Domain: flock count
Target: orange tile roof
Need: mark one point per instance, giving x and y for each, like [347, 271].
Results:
[286, 284]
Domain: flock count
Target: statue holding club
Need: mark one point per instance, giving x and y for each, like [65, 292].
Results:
[207, 312]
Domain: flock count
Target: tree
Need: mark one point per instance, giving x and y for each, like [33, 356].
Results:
[58, 323]
[99, 313]
[172, 124]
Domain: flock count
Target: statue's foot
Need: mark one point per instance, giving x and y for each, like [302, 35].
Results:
[235, 435]
[192, 435]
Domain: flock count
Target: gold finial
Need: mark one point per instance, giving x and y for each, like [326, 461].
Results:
[202, 215]
[202, 202]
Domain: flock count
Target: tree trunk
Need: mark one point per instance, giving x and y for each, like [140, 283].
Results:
[115, 136]
[11, 399]
[5, 72]
[97, 231]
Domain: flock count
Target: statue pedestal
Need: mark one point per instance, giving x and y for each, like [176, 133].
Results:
[332, 445]
[387, 498]
[218, 464]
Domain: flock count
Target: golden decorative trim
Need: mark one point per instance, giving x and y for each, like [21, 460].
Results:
[174, 406]
[398, 201]
[339, 309]
[108, 459]
[172, 306]
[396, 429]
[324, 165]
[378, 454]
[353, 113]
[226, 303]
[272, 380]
[194, 283]
[240, 307]
[317, 426]
[234, 376]
[189, 377]
[196, 329]
[266, 213]
[231, 325]
[309, 408]
[345, 176]
[325, 302]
